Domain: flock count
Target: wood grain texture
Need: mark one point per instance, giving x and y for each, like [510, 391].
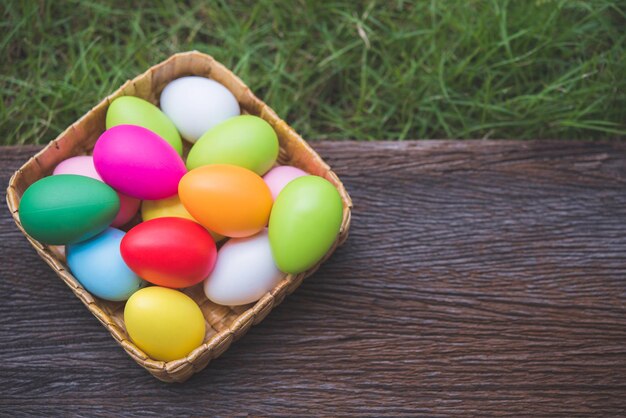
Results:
[480, 277]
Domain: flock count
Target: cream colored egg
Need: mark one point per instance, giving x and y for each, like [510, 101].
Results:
[244, 272]
[196, 104]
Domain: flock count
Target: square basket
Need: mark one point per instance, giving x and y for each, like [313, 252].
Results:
[224, 324]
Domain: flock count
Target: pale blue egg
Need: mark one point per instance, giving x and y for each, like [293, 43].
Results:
[98, 265]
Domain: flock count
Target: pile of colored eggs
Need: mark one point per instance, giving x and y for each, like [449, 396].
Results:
[269, 220]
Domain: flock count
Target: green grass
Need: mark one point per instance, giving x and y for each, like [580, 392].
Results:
[335, 69]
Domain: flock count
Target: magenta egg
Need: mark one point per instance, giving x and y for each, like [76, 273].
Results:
[278, 177]
[138, 162]
[83, 166]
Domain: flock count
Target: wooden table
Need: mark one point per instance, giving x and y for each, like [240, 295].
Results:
[483, 277]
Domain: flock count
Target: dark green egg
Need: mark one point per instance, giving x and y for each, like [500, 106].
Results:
[66, 208]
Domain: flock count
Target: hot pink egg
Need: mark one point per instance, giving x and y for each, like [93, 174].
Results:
[138, 162]
[278, 177]
[83, 166]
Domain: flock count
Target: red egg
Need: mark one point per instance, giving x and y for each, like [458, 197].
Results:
[169, 252]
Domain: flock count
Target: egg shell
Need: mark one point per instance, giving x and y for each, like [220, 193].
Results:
[244, 272]
[165, 323]
[130, 110]
[304, 223]
[169, 207]
[278, 177]
[196, 104]
[170, 252]
[98, 265]
[83, 166]
[129, 206]
[247, 141]
[137, 162]
[67, 208]
[227, 199]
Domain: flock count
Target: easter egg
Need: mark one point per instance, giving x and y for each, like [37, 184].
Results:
[278, 177]
[247, 141]
[170, 252]
[138, 162]
[244, 271]
[165, 323]
[227, 199]
[304, 223]
[164, 208]
[169, 207]
[98, 265]
[196, 104]
[83, 166]
[130, 110]
[129, 206]
[67, 208]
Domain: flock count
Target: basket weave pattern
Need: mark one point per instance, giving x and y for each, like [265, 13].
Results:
[223, 324]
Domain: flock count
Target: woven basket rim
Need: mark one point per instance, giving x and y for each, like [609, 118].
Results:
[36, 168]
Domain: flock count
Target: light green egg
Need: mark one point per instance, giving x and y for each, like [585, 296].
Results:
[304, 223]
[246, 141]
[130, 110]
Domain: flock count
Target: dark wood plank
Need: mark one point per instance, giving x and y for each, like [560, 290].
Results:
[481, 277]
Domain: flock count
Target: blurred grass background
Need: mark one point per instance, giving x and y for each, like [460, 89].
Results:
[335, 69]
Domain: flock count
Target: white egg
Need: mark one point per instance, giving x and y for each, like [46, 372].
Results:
[196, 104]
[244, 271]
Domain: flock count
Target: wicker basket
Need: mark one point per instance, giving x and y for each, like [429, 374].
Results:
[224, 324]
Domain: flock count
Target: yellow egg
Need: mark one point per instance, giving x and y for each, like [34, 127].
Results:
[171, 206]
[165, 323]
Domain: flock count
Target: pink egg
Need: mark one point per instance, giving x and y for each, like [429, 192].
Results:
[128, 208]
[83, 166]
[278, 177]
[138, 162]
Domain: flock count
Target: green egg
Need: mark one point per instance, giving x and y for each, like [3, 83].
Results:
[67, 208]
[130, 110]
[304, 223]
[247, 141]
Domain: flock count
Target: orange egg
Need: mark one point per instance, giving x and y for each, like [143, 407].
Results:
[227, 199]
